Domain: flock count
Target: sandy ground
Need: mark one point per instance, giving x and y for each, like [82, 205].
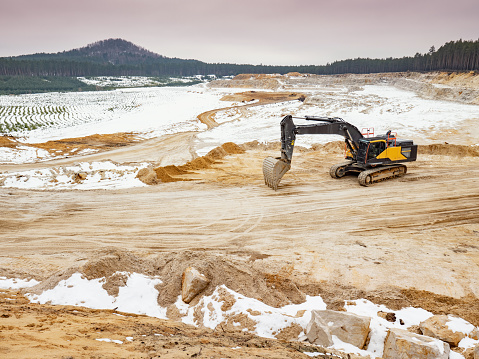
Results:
[409, 241]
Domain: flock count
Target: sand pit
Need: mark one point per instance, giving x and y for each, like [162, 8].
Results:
[408, 242]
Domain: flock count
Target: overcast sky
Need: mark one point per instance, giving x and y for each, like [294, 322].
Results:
[275, 32]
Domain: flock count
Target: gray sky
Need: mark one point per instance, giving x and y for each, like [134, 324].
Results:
[275, 32]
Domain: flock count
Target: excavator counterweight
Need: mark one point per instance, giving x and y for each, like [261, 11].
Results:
[375, 158]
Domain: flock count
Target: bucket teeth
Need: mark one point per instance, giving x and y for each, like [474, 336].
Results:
[273, 170]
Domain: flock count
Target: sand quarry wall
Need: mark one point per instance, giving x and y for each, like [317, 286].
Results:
[449, 86]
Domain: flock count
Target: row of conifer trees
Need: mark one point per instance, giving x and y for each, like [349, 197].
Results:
[453, 56]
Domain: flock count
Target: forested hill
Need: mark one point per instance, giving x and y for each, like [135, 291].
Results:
[117, 57]
[112, 51]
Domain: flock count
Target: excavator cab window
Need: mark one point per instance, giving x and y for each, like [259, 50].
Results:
[375, 149]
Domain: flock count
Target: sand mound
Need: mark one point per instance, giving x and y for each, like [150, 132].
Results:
[108, 262]
[103, 264]
[152, 176]
[163, 175]
[217, 153]
[199, 163]
[232, 148]
[237, 273]
[449, 150]
[170, 173]
[255, 145]
[330, 147]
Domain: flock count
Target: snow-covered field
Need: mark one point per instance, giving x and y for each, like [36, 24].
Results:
[150, 111]
[98, 175]
[141, 81]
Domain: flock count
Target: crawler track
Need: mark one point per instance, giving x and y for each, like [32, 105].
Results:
[369, 177]
[338, 170]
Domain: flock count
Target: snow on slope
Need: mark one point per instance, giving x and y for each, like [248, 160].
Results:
[139, 296]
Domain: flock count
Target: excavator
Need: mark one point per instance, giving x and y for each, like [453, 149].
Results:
[374, 159]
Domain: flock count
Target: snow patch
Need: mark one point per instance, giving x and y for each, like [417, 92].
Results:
[110, 340]
[457, 324]
[15, 283]
[99, 175]
[138, 296]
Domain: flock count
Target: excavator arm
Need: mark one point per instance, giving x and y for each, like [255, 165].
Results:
[324, 126]
[275, 168]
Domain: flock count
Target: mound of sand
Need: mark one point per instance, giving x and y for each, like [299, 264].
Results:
[237, 274]
[103, 264]
[165, 174]
[447, 149]
[172, 170]
[273, 287]
[198, 163]
[262, 146]
[152, 176]
[259, 81]
[172, 173]
[251, 274]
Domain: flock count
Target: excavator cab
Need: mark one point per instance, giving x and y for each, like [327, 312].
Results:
[384, 150]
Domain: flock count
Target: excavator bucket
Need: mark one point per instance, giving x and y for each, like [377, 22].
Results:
[273, 170]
